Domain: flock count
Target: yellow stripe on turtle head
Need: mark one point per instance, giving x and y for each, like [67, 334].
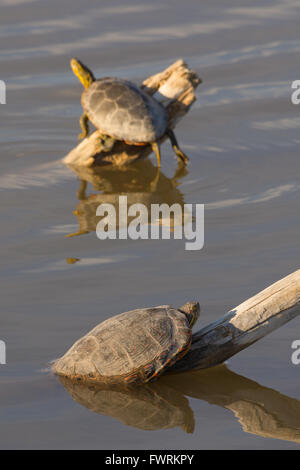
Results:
[192, 312]
[82, 72]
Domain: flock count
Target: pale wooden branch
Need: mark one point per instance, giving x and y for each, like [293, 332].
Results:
[244, 325]
[174, 88]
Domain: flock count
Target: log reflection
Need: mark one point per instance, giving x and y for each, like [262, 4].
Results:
[164, 404]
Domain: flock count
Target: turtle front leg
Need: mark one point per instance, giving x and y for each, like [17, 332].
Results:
[155, 148]
[176, 148]
[84, 124]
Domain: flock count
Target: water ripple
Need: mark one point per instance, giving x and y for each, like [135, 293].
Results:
[217, 96]
[40, 176]
[264, 196]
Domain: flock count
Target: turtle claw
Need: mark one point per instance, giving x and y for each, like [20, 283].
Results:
[181, 156]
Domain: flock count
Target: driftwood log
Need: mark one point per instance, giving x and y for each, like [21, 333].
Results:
[244, 325]
[174, 88]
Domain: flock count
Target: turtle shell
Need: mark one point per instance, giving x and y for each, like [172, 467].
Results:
[133, 347]
[122, 110]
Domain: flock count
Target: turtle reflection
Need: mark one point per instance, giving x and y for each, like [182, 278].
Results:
[141, 183]
[149, 407]
[164, 404]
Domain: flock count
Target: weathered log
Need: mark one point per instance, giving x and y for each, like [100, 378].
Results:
[244, 325]
[174, 88]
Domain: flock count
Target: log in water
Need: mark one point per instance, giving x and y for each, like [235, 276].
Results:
[244, 325]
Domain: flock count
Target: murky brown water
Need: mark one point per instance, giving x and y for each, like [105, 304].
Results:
[242, 138]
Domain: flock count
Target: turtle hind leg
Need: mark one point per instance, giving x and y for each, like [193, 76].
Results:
[84, 124]
[156, 150]
[176, 147]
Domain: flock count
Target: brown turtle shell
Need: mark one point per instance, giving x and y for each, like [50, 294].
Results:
[133, 347]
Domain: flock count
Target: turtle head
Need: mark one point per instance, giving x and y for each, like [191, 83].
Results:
[192, 312]
[82, 72]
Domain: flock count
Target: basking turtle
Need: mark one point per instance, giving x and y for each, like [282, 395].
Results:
[133, 347]
[122, 111]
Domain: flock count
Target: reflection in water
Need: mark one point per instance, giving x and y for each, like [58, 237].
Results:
[163, 404]
[141, 183]
[150, 407]
[72, 260]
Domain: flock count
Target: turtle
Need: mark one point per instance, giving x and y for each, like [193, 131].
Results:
[134, 347]
[122, 111]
